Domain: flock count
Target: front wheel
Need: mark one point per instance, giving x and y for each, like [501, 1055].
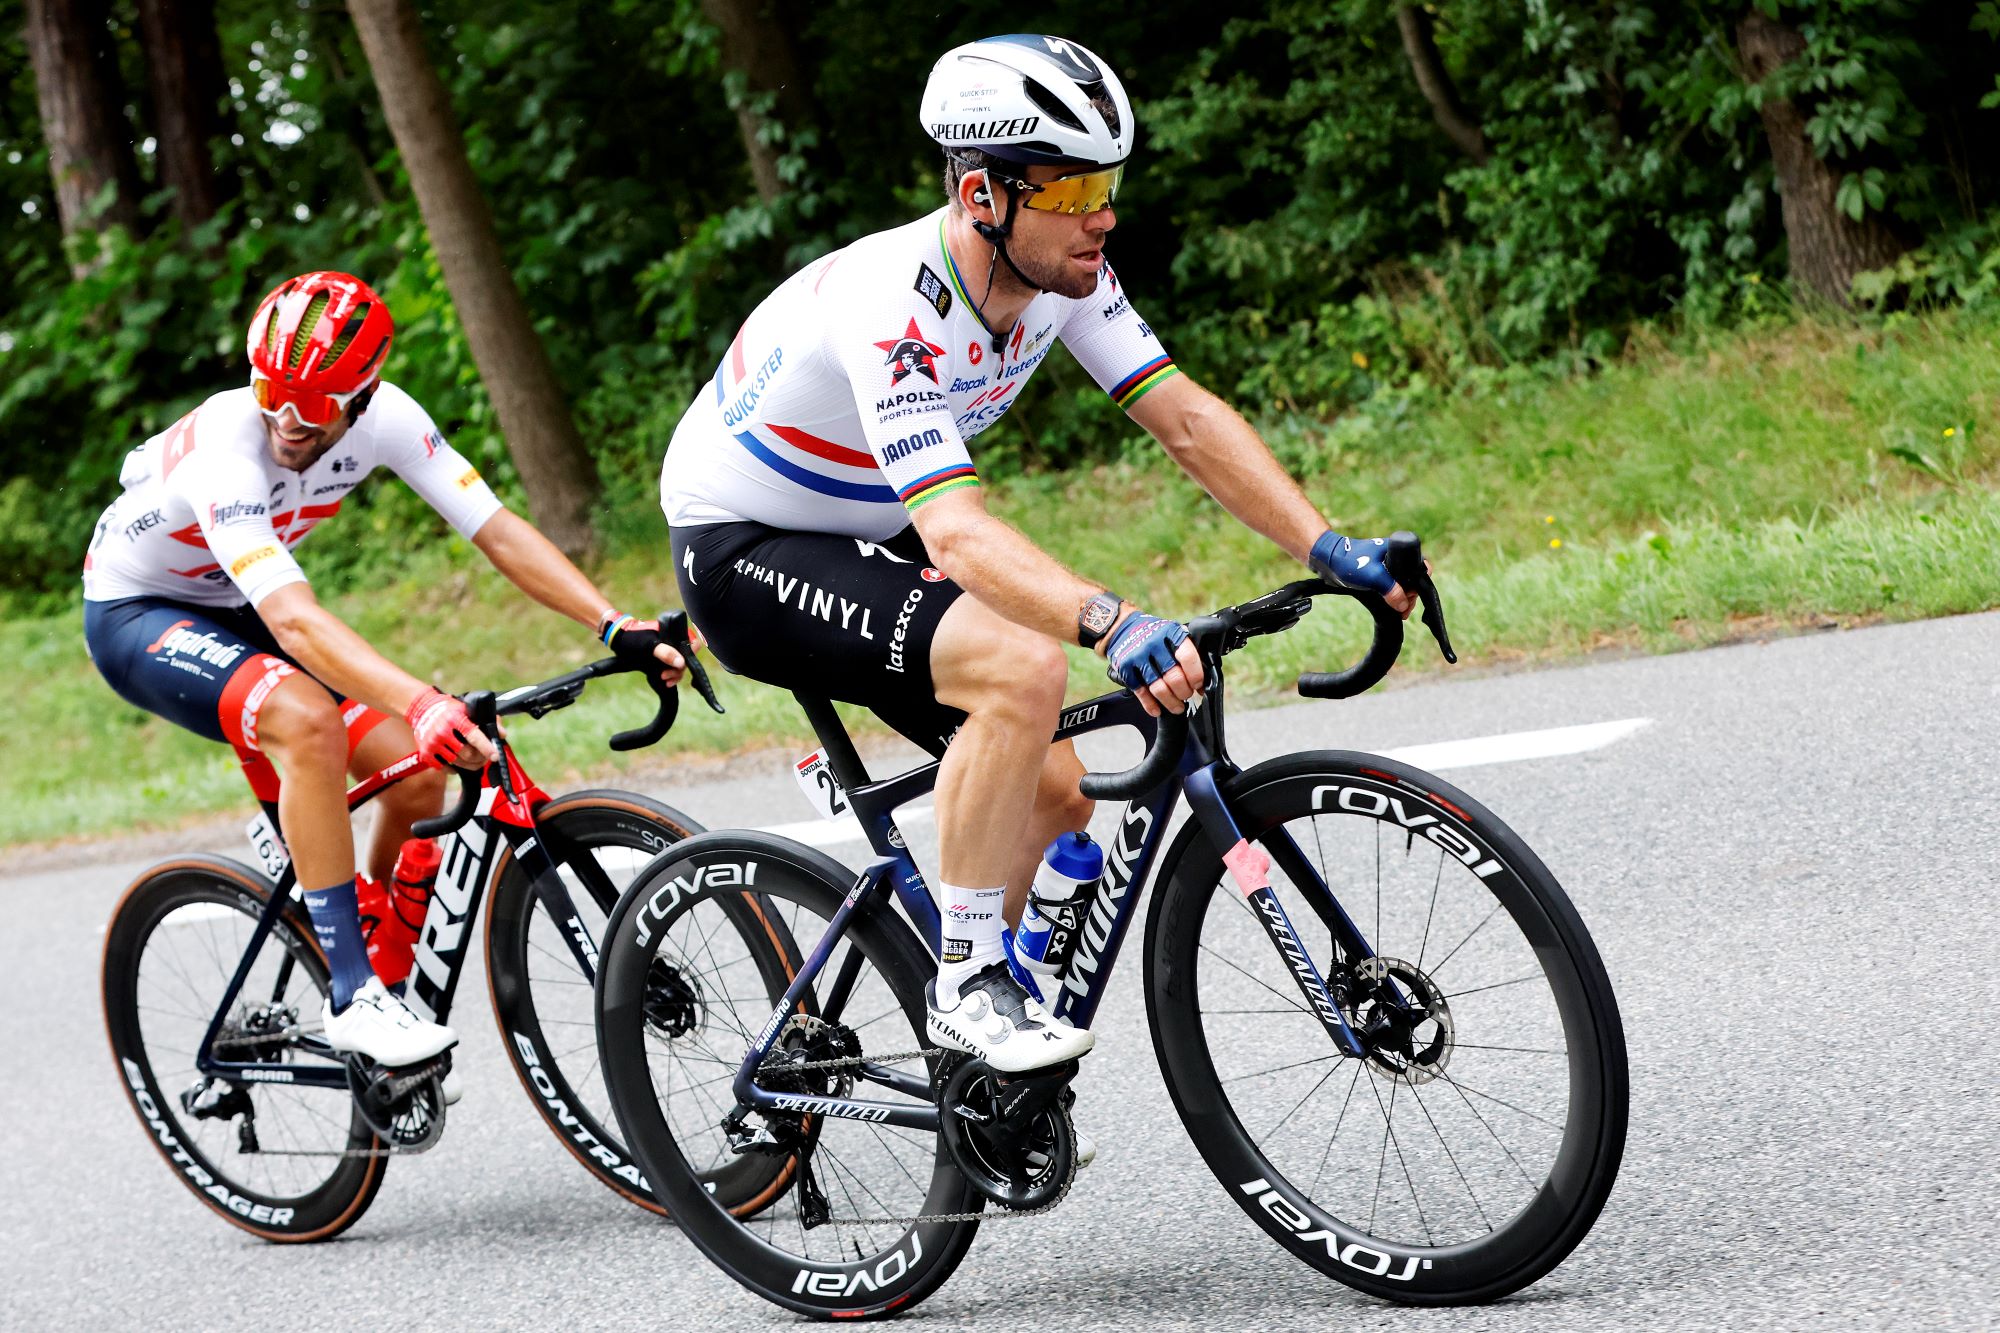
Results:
[1474, 1145]
[597, 842]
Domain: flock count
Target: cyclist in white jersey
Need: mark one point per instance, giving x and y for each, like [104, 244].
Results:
[831, 535]
[194, 609]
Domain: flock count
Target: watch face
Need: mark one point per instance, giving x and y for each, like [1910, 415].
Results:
[1098, 613]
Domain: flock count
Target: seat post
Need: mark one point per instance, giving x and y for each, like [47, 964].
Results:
[833, 738]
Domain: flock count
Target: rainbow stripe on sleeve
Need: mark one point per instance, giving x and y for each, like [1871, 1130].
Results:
[925, 489]
[1144, 380]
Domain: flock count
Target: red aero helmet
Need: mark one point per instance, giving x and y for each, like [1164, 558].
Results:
[315, 342]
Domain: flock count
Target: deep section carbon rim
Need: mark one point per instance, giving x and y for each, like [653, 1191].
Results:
[681, 1004]
[1479, 1137]
[280, 1160]
[542, 997]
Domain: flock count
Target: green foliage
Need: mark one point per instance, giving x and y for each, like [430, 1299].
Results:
[1295, 223]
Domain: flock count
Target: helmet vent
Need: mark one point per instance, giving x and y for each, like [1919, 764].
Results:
[1103, 103]
[346, 335]
[302, 339]
[1051, 106]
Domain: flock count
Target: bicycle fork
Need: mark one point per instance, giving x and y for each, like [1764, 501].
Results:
[1249, 869]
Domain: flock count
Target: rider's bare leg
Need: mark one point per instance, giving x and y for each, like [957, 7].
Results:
[299, 727]
[1009, 682]
[419, 796]
[1060, 807]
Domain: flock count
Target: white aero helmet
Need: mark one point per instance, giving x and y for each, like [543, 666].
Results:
[1027, 99]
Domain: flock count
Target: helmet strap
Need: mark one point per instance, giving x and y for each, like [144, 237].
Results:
[359, 403]
[996, 236]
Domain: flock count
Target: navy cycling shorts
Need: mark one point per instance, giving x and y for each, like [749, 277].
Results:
[206, 668]
[823, 615]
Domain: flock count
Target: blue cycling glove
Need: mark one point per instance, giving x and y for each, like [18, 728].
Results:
[1354, 563]
[1142, 649]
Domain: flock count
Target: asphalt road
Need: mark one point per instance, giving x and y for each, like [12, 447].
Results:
[1789, 873]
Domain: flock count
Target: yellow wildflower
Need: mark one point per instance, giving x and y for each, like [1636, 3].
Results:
[1555, 543]
[1950, 431]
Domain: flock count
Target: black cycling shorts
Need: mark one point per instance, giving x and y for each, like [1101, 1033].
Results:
[823, 615]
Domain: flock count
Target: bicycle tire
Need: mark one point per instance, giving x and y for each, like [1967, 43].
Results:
[204, 889]
[783, 880]
[1414, 813]
[521, 943]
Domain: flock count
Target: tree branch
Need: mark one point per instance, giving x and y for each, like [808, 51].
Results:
[1435, 84]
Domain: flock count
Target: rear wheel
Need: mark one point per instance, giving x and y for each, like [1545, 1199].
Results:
[281, 1161]
[671, 1081]
[1475, 1145]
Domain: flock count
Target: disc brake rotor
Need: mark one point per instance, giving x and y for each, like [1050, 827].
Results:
[1410, 1024]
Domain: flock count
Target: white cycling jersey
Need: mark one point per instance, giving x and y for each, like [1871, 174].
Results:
[207, 517]
[847, 398]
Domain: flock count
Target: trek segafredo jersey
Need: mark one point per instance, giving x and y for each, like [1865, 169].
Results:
[207, 517]
[846, 399]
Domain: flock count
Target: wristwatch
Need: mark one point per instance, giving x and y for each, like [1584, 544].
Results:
[1099, 614]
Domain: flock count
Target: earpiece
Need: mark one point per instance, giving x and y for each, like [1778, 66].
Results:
[979, 196]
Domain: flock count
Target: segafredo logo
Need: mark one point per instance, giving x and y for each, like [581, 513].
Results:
[181, 641]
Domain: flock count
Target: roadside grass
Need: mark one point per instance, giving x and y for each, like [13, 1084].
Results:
[1705, 489]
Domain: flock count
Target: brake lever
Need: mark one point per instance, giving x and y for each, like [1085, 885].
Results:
[674, 628]
[1405, 561]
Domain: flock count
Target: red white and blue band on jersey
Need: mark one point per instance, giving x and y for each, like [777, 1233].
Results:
[846, 398]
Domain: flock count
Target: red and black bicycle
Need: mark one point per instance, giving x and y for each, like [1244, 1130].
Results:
[213, 986]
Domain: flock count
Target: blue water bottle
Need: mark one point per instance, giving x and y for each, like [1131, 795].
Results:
[1057, 904]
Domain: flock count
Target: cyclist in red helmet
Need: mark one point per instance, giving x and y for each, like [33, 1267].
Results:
[195, 610]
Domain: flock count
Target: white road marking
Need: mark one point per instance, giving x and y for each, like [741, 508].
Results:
[1517, 745]
[1502, 749]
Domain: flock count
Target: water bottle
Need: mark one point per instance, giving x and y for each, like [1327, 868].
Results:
[1057, 903]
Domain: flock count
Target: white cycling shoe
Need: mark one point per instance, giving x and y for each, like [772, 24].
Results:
[1003, 1025]
[380, 1026]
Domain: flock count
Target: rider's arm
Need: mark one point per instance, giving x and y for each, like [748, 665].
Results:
[336, 656]
[990, 559]
[1214, 444]
[418, 453]
[532, 563]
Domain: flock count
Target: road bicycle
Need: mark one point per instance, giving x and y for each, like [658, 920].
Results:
[1379, 1017]
[213, 984]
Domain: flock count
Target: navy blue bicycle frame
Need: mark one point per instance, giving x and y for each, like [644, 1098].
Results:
[1129, 858]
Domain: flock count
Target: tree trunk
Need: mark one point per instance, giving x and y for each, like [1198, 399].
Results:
[555, 471]
[1420, 45]
[1827, 247]
[184, 71]
[81, 100]
[757, 46]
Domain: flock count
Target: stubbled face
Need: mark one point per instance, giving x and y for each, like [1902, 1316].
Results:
[1059, 252]
[296, 446]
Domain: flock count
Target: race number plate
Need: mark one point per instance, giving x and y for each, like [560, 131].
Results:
[271, 851]
[822, 789]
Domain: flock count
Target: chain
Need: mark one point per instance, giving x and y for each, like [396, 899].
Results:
[391, 1151]
[850, 1062]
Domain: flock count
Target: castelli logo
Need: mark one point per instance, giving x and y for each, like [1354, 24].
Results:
[974, 352]
[933, 575]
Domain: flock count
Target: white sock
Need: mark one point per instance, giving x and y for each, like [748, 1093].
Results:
[972, 926]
